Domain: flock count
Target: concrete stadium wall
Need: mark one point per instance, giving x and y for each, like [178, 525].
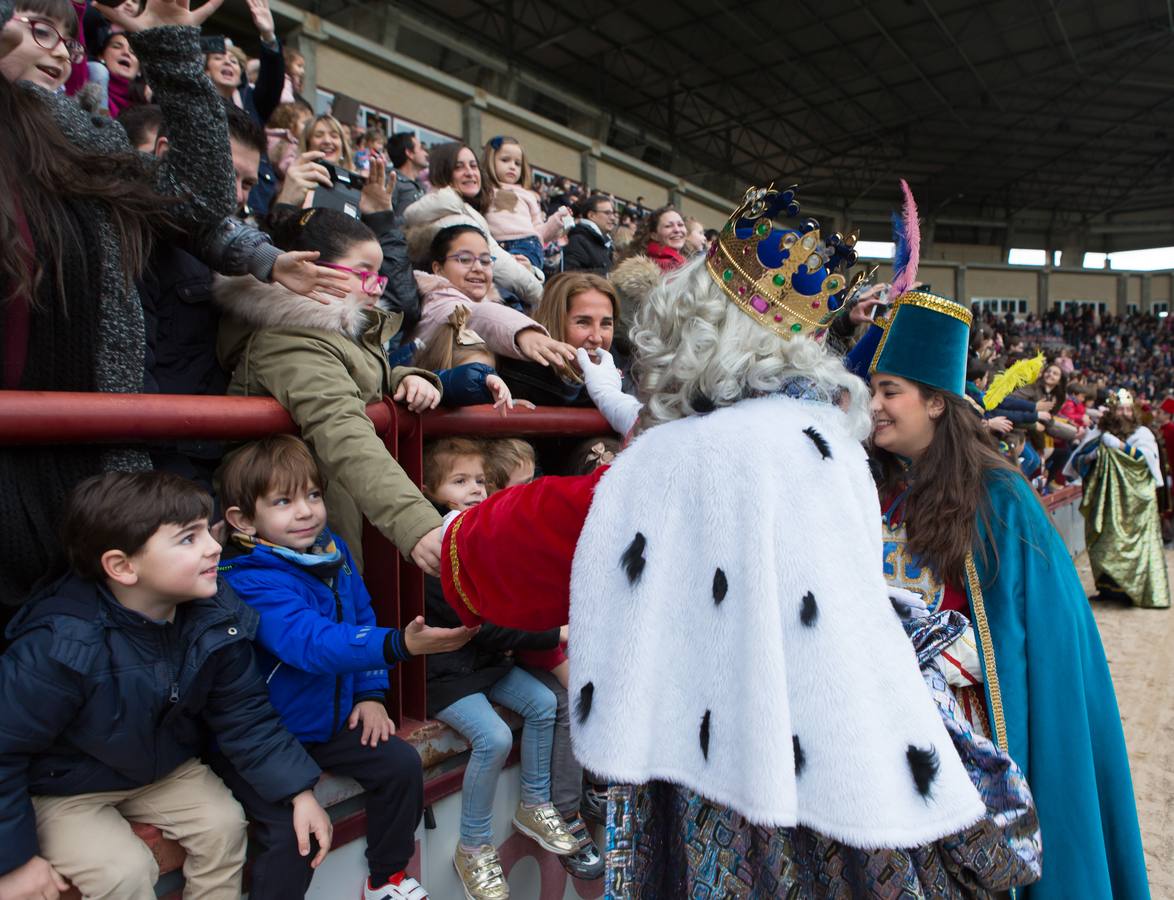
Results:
[629, 185]
[377, 86]
[1010, 283]
[1084, 286]
[342, 61]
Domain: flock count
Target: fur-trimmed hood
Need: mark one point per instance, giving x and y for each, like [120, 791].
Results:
[634, 280]
[273, 306]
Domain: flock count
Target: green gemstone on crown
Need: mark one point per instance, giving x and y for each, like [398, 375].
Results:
[762, 229]
[728, 275]
[779, 280]
[796, 327]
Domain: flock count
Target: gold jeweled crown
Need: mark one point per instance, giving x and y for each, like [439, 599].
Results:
[783, 278]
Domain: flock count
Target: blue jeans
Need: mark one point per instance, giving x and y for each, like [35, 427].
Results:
[529, 247]
[474, 717]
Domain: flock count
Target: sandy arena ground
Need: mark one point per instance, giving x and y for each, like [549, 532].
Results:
[1140, 647]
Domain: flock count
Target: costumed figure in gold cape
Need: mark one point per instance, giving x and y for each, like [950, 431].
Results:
[1118, 462]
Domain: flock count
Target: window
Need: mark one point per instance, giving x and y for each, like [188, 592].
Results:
[1095, 260]
[1132, 308]
[1100, 306]
[1161, 309]
[427, 136]
[874, 249]
[372, 118]
[1016, 306]
[1150, 260]
[1020, 256]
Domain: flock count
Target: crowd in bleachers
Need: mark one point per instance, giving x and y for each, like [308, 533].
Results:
[178, 219]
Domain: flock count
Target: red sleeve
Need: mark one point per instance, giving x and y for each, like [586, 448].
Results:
[508, 560]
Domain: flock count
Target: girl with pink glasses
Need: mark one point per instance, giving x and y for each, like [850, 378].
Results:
[324, 362]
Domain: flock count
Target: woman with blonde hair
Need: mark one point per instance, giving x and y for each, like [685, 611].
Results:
[326, 135]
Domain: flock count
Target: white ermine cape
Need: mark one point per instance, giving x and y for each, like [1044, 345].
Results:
[732, 632]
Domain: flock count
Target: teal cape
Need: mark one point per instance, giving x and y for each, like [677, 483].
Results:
[1062, 722]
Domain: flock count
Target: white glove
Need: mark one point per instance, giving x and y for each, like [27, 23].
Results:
[603, 386]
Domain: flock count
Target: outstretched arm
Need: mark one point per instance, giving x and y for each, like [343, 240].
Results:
[508, 560]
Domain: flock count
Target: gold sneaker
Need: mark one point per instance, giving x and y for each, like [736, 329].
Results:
[546, 826]
[480, 873]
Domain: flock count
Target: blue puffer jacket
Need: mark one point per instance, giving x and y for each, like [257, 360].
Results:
[94, 697]
[320, 649]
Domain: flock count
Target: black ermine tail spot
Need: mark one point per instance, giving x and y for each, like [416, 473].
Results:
[899, 607]
[800, 756]
[820, 442]
[705, 735]
[720, 586]
[810, 612]
[583, 706]
[633, 558]
[701, 404]
[923, 764]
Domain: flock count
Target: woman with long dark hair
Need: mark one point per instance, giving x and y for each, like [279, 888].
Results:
[966, 532]
[661, 237]
[79, 210]
[460, 196]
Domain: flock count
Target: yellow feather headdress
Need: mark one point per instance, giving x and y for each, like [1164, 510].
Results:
[1024, 372]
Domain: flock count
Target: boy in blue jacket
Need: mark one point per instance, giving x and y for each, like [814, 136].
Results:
[117, 676]
[325, 661]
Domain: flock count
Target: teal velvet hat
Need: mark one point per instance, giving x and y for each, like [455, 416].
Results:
[925, 338]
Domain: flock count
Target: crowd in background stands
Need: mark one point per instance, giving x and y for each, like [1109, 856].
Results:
[1089, 360]
[1135, 352]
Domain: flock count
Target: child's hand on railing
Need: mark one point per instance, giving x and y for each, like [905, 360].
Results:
[503, 400]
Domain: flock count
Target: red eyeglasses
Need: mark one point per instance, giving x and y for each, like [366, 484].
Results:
[371, 282]
[48, 37]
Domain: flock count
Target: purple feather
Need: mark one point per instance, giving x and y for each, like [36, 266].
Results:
[906, 244]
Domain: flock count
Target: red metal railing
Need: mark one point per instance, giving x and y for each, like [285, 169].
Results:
[397, 590]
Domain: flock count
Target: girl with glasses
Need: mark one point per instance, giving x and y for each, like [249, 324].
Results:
[41, 39]
[463, 268]
[324, 362]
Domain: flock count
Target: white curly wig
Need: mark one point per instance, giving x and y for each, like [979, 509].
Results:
[695, 350]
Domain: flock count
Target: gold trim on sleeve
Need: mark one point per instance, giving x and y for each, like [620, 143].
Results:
[988, 653]
[455, 562]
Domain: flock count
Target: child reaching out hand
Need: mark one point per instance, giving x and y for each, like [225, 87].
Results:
[465, 365]
[325, 659]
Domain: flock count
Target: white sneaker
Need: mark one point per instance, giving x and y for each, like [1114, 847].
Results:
[408, 889]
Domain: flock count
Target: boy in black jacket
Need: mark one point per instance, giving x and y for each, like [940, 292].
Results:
[118, 675]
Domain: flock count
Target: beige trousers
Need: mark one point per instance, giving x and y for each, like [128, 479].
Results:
[87, 839]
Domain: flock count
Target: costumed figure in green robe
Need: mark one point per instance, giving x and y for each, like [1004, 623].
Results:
[1119, 465]
[968, 534]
